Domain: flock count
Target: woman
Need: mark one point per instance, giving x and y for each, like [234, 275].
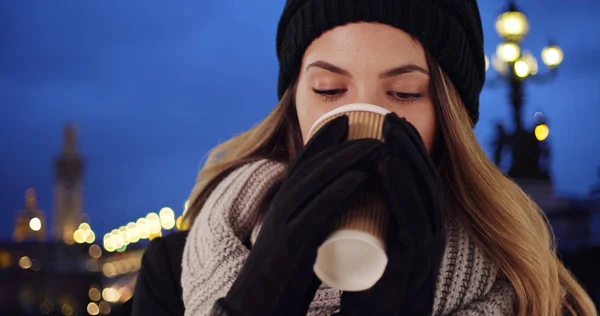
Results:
[464, 239]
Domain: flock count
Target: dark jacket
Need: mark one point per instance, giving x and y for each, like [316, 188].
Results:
[158, 288]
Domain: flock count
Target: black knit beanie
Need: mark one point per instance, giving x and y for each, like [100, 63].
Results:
[450, 30]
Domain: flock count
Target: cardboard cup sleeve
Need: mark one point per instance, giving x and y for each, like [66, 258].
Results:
[353, 258]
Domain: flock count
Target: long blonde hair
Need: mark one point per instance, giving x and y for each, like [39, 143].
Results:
[502, 219]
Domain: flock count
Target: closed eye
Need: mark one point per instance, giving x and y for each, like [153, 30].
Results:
[330, 94]
[404, 97]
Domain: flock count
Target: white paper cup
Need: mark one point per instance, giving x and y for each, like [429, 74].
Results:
[351, 260]
[353, 257]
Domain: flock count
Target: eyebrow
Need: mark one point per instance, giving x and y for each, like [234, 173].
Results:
[329, 67]
[404, 69]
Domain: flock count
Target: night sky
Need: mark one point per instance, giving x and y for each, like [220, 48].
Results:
[152, 85]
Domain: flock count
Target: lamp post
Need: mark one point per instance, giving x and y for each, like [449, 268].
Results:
[515, 66]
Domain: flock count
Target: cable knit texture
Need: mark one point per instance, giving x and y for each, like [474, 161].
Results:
[468, 283]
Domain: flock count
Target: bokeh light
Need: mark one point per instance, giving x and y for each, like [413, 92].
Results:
[541, 132]
[93, 308]
[167, 218]
[35, 224]
[25, 262]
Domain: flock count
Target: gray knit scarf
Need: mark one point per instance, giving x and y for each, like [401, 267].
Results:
[468, 283]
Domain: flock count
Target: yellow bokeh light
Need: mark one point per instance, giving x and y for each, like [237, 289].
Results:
[93, 309]
[166, 212]
[508, 51]
[108, 243]
[25, 262]
[117, 238]
[132, 232]
[168, 224]
[167, 218]
[179, 222]
[153, 223]
[521, 69]
[142, 227]
[79, 236]
[124, 235]
[552, 56]
[84, 234]
[35, 224]
[541, 132]
[110, 294]
[94, 294]
[512, 25]
[90, 238]
[154, 235]
[85, 227]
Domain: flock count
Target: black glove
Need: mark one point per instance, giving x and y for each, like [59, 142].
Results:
[320, 185]
[417, 235]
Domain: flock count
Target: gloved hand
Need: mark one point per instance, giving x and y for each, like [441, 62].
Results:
[320, 185]
[417, 234]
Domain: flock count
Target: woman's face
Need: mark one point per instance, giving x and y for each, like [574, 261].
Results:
[366, 63]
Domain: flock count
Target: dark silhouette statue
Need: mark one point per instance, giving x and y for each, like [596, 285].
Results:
[499, 143]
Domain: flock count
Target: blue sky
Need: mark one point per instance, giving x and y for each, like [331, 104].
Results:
[152, 85]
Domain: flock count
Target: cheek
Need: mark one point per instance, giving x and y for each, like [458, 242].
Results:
[424, 120]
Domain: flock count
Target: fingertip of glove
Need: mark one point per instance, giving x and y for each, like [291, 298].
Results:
[392, 119]
[391, 122]
[338, 128]
[332, 133]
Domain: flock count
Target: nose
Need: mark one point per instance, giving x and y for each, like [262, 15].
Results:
[374, 96]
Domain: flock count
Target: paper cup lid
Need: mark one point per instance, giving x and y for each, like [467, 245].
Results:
[351, 260]
[365, 107]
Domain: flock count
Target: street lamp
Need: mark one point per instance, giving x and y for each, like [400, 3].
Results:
[552, 55]
[514, 65]
[512, 24]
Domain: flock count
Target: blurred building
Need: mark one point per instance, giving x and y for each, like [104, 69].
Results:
[31, 221]
[54, 278]
[68, 189]
[69, 274]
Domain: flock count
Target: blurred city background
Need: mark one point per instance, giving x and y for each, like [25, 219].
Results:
[107, 110]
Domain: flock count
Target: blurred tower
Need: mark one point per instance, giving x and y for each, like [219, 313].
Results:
[31, 221]
[68, 189]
